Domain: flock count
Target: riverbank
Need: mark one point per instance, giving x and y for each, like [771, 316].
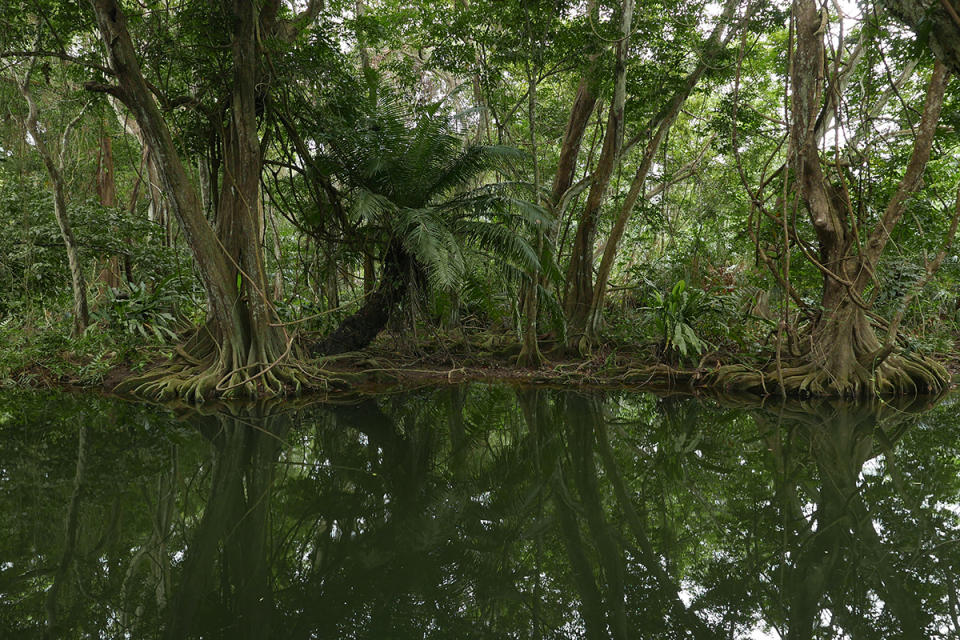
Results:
[390, 363]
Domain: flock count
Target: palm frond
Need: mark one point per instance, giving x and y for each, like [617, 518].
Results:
[500, 240]
[431, 244]
[370, 206]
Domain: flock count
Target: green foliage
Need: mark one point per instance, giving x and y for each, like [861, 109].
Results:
[408, 124]
[408, 177]
[142, 309]
[675, 315]
[36, 350]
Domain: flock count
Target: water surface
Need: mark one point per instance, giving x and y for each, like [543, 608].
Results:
[480, 512]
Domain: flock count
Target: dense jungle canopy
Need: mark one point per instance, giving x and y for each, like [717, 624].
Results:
[225, 198]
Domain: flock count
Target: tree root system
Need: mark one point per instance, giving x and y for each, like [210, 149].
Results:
[902, 374]
[202, 368]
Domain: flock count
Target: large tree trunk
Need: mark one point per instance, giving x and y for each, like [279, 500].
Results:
[937, 22]
[841, 354]
[237, 351]
[583, 105]
[844, 356]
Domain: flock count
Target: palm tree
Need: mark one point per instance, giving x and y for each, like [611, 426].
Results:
[420, 199]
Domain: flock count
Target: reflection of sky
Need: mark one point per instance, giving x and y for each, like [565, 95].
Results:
[759, 631]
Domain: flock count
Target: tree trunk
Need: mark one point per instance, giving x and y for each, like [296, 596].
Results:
[660, 126]
[109, 274]
[361, 328]
[530, 355]
[841, 354]
[583, 105]
[238, 349]
[578, 294]
[54, 167]
[369, 274]
[844, 355]
[937, 22]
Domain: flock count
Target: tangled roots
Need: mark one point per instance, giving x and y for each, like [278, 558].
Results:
[202, 368]
[897, 375]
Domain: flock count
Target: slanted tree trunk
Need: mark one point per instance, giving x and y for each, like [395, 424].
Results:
[369, 274]
[578, 294]
[239, 348]
[580, 112]
[361, 328]
[54, 167]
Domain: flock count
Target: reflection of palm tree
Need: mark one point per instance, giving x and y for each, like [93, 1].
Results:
[397, 555]
[445, 543]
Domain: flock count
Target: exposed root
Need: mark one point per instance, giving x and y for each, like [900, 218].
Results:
[903, 374]
[202, 369]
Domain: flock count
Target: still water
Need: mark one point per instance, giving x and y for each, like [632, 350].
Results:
[480, 512]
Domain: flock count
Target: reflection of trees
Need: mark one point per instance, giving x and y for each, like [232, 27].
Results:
[70, 468]
[482, 512]
[838, 572]
[420, 506]
[628, 597]
[147, 578]
[232, 537]
[72, 519]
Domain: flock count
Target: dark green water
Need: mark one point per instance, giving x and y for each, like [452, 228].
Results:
[480, 512]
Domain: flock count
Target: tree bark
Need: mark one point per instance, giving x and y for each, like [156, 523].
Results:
[938, 20]
[54, 167]
[583, 105]
[579, 282]
[530, 355]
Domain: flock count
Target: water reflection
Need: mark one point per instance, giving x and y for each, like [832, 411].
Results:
[480, 512]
